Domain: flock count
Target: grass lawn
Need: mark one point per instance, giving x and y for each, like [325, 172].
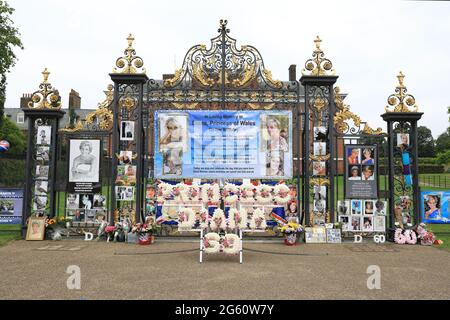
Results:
[441, 231]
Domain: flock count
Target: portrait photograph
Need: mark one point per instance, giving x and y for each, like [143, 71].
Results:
[320, 148]
[319, 206]
[368, 206]
[43, 154]
[124, 193]
[41, 188]
[380, 207]
[125, 157]
[320, 134]
[126, 174]
[44, 135]
[35, 229]
[432, 206]
[343, 207]
[354, 173]
[172, 141]
[320, 192]
[42, 172]
[368, 173]
[90, 215]
[355, 224]
[353, 155]
[86, 201]
[40, 203]
[99, 201]
[356, 206]
[368, 156]
[345, 220]
[84, 160]
[379, 223]
[72, 201]
[367, 224]
[402, 139]
[127, 130]
[319, 168]
[6, 207]
[274, 132]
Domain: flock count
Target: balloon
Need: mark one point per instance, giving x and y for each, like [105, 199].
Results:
[4, 146]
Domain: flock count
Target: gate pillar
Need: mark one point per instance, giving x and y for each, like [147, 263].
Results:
[403, 171]
[318, 146]
[43, 113]
[127, 188]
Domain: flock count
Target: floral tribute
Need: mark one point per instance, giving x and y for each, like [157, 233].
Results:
[164, 192]
[405, 236]
[281, 192]
[218, 221]
[258, 220]
[190, 193]
[228, 244]
[202, 219]
[263, 194]
[186, 219]
[237, 219]
[426, 237]
[211, 193]
[247, 193]
[230, 194]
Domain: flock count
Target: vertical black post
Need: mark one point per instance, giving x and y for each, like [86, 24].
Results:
[114, 149]
[26, 211]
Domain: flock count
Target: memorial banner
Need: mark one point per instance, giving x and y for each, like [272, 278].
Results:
[435, 206]
[84, 166]
[223, 144]
[361, 176]
[11, 204]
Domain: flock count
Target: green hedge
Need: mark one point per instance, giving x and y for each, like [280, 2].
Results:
[12, 173]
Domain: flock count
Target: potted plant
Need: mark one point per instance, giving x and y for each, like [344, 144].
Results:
[146, 231]
[291, 230]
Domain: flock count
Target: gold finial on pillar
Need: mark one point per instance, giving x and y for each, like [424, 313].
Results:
[130, 63]
[46, 97]
[401, 101]
[318, 65]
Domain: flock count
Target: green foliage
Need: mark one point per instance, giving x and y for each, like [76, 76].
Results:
[425, 142]
[443, 142]
[444, 158]
[10, 132]
[12, 173]
[9, 39]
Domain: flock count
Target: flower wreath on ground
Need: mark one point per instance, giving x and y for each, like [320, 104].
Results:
[190, 193]
[258, 220]
[237, 219]
[247, 193]
[211, 193]
[230, 194]
[405, 236]
[186, 219]
[426, 237]
[282, 195]
[263, 194]
[164, 192]
[218, 221]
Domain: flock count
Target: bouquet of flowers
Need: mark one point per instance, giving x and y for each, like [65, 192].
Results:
[290, 231]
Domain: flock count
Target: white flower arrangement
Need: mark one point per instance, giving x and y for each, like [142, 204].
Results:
[263, 194]
[179, 191]
[282, 195]
[203, 219]
[186, 219]
[218, 221]
[164, 192]
[247, 193]
[258, 220]
[190, 193]
[237, 219]
[211, 193]
[231, 244]
[211, 243]
[230, 193]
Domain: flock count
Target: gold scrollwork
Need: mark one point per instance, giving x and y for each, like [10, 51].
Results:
[256, 106]
[268, 77]
[130, 63]
[189, 106]
[127, 102]
[318, 65]
[401, 101]
[174, 80]
[46, 97]
[319, 182]
[319, 158]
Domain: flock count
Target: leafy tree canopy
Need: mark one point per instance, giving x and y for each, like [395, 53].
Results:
[11, 133]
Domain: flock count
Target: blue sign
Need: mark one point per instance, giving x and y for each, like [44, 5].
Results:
[435, 206]
[11, 204]
[223, 144]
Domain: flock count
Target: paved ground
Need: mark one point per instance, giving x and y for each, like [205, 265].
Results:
[37, 270]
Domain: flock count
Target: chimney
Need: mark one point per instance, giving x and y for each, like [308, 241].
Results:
[74, 100]
[292, 72]
[26, 97]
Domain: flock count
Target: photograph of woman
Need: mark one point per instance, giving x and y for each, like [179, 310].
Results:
[402, 140]
[367, 173]
[127, 130]
[277, 146]
[125, 157]
[319, 168]
[353, 156]
[172, 142]
[367, 224]
[44, 135]
[84, 160]
[368, 207]
[432, 207]
[353, 173]
[356, 207]
[368, 156]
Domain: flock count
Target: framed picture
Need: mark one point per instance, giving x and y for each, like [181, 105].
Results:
[126, 174]
[346, 223]
[99, 201]
[380, 207]
[84, 160]
[367, 173]
[368, 156]
[367, 225]
[86, 201]
[320, 193]
[315, 235]
[40, 203]
[356, 207]
[343, 207]
[319, 168]
[319, 206]
[355, 224]
[353, 156]
[379, 224]
[41, 188]
[124, 193]
[320, 134]
[320, 148]
[127, 130]
[334, 236]
[125, 157]
[44, 135]
[368, 207]
[402, 140]
[354, 173]
[72, 201]
[42, 172]
[36, 229]
[43, 154]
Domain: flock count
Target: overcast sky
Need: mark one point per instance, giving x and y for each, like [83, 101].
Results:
[369, 42]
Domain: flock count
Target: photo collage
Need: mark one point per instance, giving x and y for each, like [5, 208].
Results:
[362, 215]
[126, 177]
[85, 207]
[41, 181]
[361, 164]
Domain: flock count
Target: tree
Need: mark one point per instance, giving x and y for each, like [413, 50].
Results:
[10, 132]
[443, 142]
[9, 39]
[425, 142]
